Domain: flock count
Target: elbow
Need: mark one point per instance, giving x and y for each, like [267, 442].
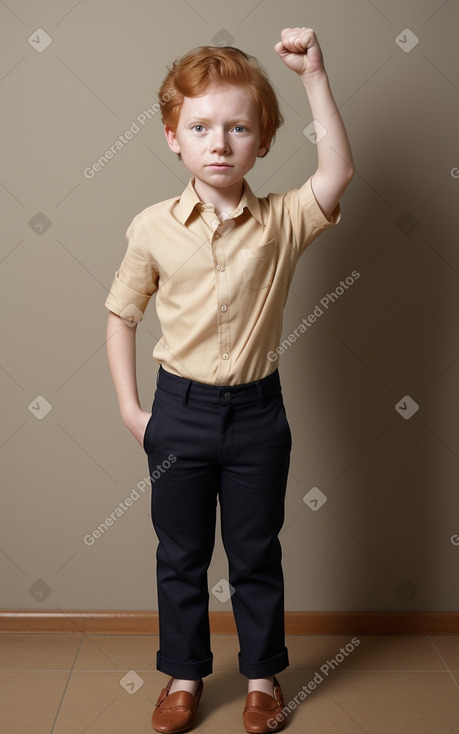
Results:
[348, 174]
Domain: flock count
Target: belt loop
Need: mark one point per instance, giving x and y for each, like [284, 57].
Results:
[185, 394]
[261, 394]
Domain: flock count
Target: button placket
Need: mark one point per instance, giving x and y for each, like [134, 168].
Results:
[223, 311]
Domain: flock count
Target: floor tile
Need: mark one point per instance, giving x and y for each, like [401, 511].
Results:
[318, 713]
[448, 648]
[421, 703]
[364, 652]
[225, 649]
[30, 700]
[117, 652]
[383, 685]
[222, 704]
[38, 651]
[98, 703]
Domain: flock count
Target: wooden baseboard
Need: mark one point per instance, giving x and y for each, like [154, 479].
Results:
[296, 623]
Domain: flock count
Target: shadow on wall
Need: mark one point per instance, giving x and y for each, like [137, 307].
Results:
[374, 456]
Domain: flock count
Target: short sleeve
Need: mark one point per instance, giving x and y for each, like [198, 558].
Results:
[308, 219]
[136, 280]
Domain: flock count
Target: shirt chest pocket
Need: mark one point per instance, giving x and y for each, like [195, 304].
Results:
[259, 265]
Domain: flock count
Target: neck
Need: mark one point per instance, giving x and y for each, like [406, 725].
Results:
[223, 200]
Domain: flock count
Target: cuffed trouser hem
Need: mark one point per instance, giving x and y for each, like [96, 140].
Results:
[186, 671]
[264, 668]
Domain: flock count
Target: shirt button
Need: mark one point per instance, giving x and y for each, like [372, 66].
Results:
[221, 268]
[223, 308]
[225, 356]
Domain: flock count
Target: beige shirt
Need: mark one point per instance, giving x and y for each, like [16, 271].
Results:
[221, 282]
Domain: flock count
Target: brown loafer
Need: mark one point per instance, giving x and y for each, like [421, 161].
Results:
[176, 711]
[263, 713]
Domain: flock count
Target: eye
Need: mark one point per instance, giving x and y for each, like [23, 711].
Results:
[239, 128]
[198, 128]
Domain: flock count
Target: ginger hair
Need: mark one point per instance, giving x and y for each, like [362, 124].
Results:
[192, 74]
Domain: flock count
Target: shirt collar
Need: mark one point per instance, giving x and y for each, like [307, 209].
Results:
[189, 200]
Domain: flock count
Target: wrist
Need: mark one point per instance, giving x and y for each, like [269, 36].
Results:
[129, 413]
[312, 79]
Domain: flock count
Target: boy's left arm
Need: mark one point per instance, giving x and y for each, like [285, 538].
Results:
[299, 49]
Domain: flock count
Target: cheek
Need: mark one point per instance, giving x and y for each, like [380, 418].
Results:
[192, 147]
[251, 152]
[252, 146]
[188, 150]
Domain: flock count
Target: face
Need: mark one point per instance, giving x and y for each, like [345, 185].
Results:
[218, 137]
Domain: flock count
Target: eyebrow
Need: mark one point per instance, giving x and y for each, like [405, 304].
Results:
[231, 121]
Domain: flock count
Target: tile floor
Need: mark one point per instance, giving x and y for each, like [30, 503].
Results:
[107, 684]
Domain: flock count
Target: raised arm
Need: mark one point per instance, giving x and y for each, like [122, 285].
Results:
[299, 49]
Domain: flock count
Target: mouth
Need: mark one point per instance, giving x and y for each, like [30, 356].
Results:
[219, 166]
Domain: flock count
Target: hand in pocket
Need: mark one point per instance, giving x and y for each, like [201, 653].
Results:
[137, 425]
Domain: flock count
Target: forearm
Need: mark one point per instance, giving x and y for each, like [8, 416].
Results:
[333, 148]
[121, 354]
[335, 165]
[300, 51]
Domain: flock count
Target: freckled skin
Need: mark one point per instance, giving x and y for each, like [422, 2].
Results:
[220, 126]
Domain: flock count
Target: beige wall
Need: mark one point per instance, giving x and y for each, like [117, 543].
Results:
[382, 540]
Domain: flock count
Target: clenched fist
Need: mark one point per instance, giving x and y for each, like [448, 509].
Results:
[299, 49]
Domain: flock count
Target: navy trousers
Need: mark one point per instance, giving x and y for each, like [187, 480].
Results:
[233, 444]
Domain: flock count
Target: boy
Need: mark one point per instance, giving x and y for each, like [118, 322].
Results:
[221, 261]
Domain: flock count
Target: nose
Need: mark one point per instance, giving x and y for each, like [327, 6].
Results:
[219, 142]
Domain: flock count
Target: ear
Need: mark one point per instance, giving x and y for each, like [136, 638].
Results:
[263, 149]
[171, 138]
